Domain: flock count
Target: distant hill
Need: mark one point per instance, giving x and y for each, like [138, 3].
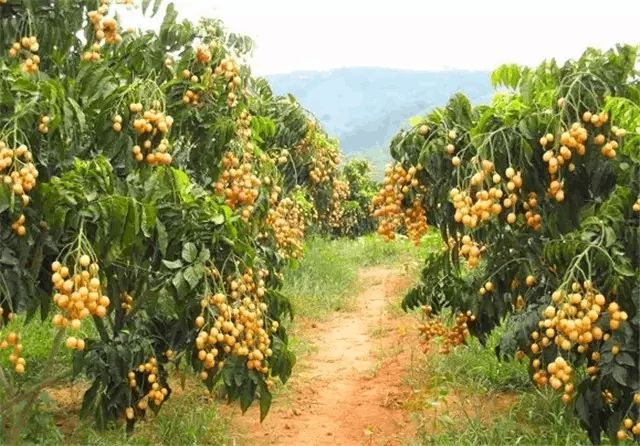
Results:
[365, 107]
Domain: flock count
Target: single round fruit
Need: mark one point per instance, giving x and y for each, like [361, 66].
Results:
[85, 260]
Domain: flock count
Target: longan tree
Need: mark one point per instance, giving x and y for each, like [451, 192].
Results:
[537, 199]
[150, 199]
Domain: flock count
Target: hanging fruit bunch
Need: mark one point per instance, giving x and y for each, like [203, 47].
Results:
[43, 124]
[487, 195]
[574, 322]
[288, 225]
[434, 327]
[147, 390]
[243, 126]
[27, 49]
[229, 70]
[238, 184]
[234, 323]
[126, 300]
[78, 290]
[17, 171]
[324, 164]
[415, 221]
[389, 203]
[105, 30]
[151, 127]
[339, 193]
[12, 342]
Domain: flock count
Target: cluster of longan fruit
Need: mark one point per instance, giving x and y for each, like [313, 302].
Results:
[43, 124]
[415, 221]
[152, 127]
[126, 302]
[279, 157]
[324, 164]
[287, 223]
[17, 171]
[608, 147]
[472, 209]
[230, 70]
[486, 288]
[558, 375]
[572, 322]
[469, 211]
[105, 28]
[12, 340]
[238, 184]
[636, 205]
[433, 327]
[188, 75]
[78, 295]
[470, 250]
[339, 192]
[191, 98]
[27, 47]
[18, 226]
[203, 54]
[235, 323]
[450, 148]
[116, 123]
[147, 374]
[532, 216]
[629, 429]
[92, 55]
[243, 126]
[388, 202]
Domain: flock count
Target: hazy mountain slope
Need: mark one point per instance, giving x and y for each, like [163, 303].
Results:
[365, 107]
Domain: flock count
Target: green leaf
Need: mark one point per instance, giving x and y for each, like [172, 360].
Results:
[624, 358]
[247, 396]
[204, 255]
[163, 238]
[193, 275]
[189, 252]
[79, 114]
[175, 264]
[620, 375]
[265, 402]
[149, 218]
[89, 399]
[131, 226]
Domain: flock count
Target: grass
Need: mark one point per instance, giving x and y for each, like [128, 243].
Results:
[471, 398]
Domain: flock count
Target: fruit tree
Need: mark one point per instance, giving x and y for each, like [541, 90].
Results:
[537, 198]
[152, 192]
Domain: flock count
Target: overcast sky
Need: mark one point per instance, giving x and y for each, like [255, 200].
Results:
[293, 35]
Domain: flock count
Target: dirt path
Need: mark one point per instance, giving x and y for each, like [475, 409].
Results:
[350, 392]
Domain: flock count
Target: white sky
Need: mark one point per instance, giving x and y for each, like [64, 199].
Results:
[295, 35]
